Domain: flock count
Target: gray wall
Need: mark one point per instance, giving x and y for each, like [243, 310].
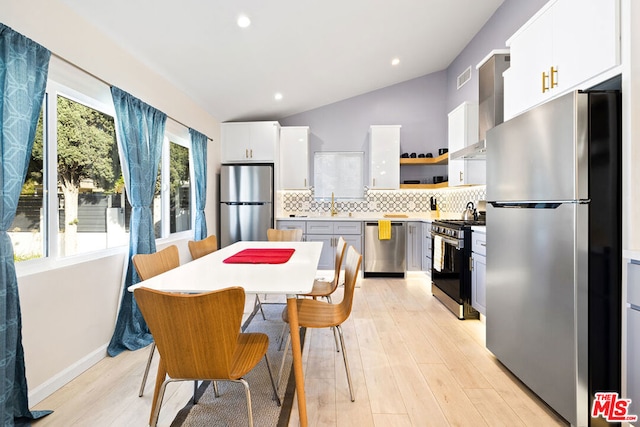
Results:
[510, 16]
[419, 105]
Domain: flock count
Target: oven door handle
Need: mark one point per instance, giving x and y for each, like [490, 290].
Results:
[449, 240]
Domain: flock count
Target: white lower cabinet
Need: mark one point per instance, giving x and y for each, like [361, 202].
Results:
[327, 232]
[427, 261]
[328, 249]
[478, 272]
[633, 353]
[291, 225]
[633, 331]
[414, 246]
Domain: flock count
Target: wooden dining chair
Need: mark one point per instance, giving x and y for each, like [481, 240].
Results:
[200, 248]
[289, 235]
[148, 266]
[205, 344]
[321, 314]
[324, 288]
[275, 235]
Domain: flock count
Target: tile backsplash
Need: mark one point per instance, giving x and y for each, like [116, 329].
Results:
[448, 199]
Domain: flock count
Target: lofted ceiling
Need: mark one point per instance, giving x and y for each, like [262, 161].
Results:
[312, 52]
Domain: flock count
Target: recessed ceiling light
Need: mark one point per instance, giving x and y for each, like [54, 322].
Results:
[244, 21]
[395, 61]
[277, 96]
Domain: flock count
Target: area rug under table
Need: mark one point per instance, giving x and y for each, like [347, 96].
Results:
[230, 408]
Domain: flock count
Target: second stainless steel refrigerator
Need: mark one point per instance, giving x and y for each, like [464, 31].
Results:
[554, 250]
[246, 202]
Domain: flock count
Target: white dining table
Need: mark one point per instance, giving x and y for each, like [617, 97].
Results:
[209, 273]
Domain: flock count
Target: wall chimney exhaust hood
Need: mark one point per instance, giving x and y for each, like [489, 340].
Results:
[490, 102]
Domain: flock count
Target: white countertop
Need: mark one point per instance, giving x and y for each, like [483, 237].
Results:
[631, 254]
[369, 216]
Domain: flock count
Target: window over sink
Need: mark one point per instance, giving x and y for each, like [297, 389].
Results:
[340, 173]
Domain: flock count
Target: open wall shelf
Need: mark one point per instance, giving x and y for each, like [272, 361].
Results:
[440, 160]
[444, 184]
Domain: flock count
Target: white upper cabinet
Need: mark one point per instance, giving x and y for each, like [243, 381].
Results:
[384, 157]
[529, 67]
[463, 130]
[249, 141]
[294, 157]
[566, 43]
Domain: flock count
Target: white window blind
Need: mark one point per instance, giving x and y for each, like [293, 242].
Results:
[339, 172]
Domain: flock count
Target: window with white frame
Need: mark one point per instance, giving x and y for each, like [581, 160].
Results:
[177, 176]
[73, 199]
[179, 188]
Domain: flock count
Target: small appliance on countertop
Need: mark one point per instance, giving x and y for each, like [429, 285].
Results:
[470, 213]
[481, 207]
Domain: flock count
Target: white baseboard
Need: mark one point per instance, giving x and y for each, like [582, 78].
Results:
[55, 383]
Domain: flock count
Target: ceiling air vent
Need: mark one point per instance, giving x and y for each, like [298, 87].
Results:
[464, 77]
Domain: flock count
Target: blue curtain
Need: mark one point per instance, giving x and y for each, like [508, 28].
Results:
[24, 65]
[140, 132]
[199, 150]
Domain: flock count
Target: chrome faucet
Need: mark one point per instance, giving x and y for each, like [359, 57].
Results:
[334, 212]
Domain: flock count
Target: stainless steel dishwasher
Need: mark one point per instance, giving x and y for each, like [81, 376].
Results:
[385, 258]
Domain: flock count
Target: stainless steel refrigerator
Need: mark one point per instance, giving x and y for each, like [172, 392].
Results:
[553, 295]
[246, 202]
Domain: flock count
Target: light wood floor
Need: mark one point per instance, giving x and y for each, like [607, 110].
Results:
[412, 364]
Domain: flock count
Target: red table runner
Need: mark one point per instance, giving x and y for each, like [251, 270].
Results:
[260, 256]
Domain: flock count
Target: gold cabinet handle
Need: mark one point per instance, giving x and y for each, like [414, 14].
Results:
[460, 176]
[251, 153]
[545, 82]
[305, 182]
[374, 182]
[554, 77]
[470, 263]
[246, 153]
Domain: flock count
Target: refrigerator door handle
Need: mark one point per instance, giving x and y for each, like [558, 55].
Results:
[244, 203]
[527, 205]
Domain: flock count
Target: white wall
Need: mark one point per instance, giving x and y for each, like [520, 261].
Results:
[68, 316]
[631, 124]
[69, 311]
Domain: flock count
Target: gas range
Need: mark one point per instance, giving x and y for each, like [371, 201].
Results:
[450, 273]
[453, 227]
